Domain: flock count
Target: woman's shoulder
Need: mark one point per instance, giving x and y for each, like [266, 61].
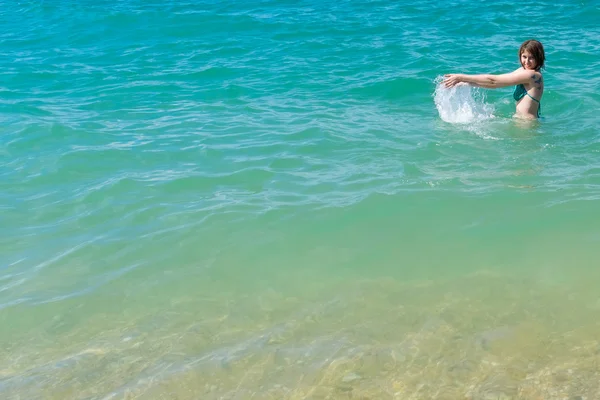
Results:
[538, 79]
[535, 76]
[537, 71]
[526, 75]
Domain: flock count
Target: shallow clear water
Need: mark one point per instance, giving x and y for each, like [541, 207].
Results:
[222, 200]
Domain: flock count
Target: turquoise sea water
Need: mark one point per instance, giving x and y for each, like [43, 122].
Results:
[272, 200]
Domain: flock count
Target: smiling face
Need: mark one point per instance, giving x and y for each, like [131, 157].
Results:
[528, 61]
[531, 55]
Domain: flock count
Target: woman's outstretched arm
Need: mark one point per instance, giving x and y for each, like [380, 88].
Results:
[491, 81]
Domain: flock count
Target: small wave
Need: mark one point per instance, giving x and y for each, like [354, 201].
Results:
[461, 104]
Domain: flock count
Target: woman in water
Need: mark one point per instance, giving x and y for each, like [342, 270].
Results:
[528, 79]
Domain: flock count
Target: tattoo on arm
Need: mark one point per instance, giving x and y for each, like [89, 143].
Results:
[537, 81]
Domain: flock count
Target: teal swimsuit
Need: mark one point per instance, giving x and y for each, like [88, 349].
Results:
[520, 92]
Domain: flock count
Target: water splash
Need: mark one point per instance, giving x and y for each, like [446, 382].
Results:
[461, 104]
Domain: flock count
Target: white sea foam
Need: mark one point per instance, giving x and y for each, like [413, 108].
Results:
[461, 104]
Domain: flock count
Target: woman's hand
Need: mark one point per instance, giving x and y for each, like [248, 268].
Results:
[452, 80]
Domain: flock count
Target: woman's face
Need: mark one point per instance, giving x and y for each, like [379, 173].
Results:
[527, 60]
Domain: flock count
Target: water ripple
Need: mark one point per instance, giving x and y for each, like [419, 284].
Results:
[162, 125]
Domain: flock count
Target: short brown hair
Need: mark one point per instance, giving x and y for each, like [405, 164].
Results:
[537, 51]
